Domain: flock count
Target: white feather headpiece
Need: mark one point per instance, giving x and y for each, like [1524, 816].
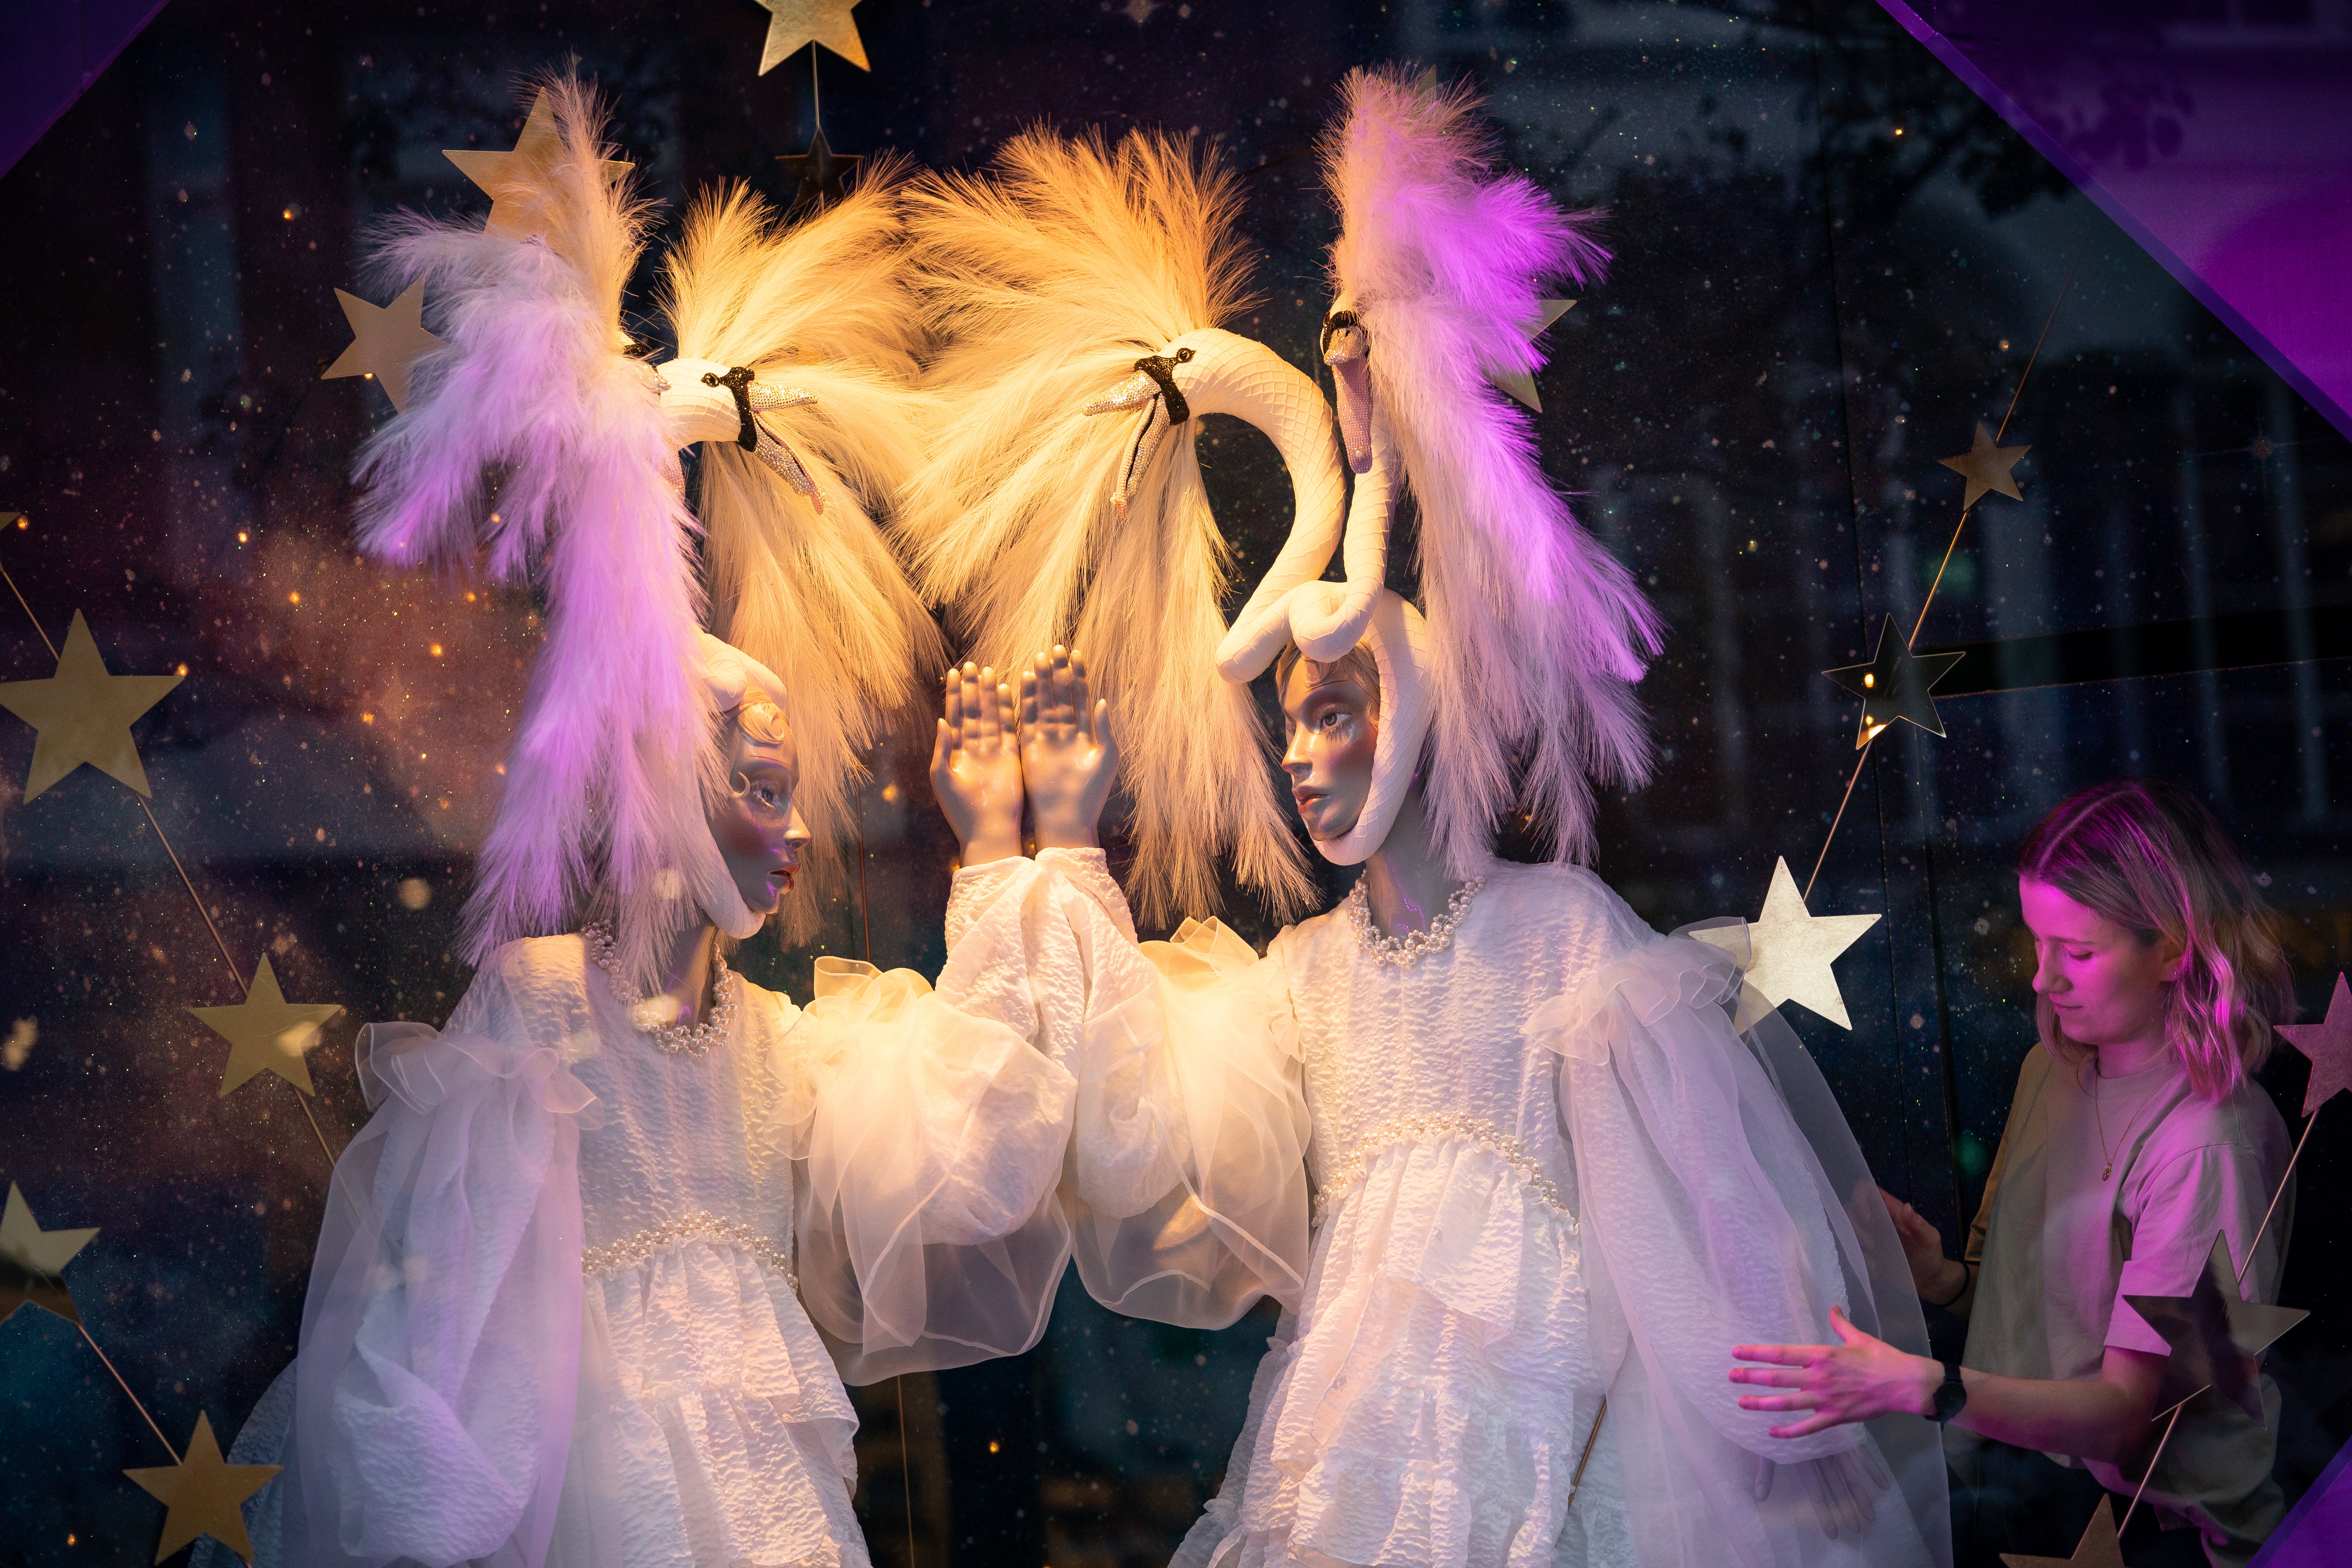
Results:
[1079, 291]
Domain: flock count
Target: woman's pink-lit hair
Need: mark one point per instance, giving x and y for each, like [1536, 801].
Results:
[2146, 855]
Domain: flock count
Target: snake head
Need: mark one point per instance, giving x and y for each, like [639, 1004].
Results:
[1348, 350]
[1151, 387]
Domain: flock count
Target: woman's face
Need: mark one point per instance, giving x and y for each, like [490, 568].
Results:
[2106, 985]
[1329, 718]
[758, 834]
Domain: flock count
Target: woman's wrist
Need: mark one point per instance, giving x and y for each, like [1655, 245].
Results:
[1927, 1378]
[1951, 1284]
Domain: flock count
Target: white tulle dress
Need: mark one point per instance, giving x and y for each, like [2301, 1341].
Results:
[580, 1301]
[1543, 1171]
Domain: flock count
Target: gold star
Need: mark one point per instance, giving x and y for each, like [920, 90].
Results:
[2216, 1334]
[795, 24]
[32, 1261]
[2099, 1548]
[204, 1494]
[540, 145]
[84, 714]
[1521, 384]
[1986, 468]
[2328, 1044]
[266, 1030]
[821, 174]
[1895, 684]
[1789, 953]
[386, 342]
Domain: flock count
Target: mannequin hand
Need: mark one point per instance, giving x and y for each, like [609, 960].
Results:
[1067, 755]
[1935, 1276]
[1843, 1487]
[1853, 1381]
[976, 767]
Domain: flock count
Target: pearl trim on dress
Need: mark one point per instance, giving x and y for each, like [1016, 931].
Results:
[1436, 1129]
[1404, 952]
[631, 1250]
[693, 1040]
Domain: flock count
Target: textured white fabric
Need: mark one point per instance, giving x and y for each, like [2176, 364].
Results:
[1464, 1309]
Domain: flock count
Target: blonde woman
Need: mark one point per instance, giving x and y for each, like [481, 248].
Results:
[2136, 1136]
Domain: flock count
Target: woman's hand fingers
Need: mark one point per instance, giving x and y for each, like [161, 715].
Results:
[1775, 1402]
[1772, 1376]
[1820, 1421]
[1779, 1356]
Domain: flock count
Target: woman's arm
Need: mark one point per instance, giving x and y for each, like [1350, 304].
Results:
[2107, 1418]
[1942, 1282]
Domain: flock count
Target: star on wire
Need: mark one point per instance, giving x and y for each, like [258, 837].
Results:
[2328, 1044]
[32, 1261]
[84, 715]
[1895, 684]
[2100, 1547]
[1789, 953]
[2216, 1334]
[204, 1494]
[540, 144]
[386, 342]
[1986, 468]
[793, 25]
[822, 173]
[1521, 384]
[267, 1033]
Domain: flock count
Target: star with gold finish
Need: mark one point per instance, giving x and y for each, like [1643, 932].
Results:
[1986, 468]
[821, 175]
[204, 1494]
[497, 173]
[1895, 684]
[32, 1261]
[2100, 1547]
[2328, 1044]
[83, 714]
[1789, 953]
[1521, 384]
[793, 25]
[267, 1032]
[2216, 1334]
[386, 342]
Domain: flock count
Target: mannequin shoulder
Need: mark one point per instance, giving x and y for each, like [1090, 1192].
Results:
[1568, 898]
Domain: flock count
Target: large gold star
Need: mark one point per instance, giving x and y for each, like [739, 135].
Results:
[795, 24]
[266, 1031]
[84, 714]
[1789, 953]
[2216, 1334]
[386, 342]
[1986, 468]
[1521, 384]
[32, 1261]
[2099, 1548]
[204, 1494]
[497, 173]
[2328, 1044]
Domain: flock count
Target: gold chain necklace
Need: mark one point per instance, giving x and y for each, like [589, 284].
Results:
[2101, 1122]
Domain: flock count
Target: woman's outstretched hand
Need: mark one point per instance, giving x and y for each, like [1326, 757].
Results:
[976, 766]
[1938, 1278]
[1852, 1380]
[1067, 754]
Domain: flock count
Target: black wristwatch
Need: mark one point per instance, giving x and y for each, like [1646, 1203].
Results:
[1951, 1393]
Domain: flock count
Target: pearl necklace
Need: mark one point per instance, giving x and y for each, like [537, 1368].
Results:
[693, 1040]
[1404, 952]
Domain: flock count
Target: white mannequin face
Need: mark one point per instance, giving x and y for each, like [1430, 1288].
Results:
[1331, 721]
[759, 833]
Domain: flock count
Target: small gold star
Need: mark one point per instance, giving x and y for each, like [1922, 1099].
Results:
[1789, 953]
[821, 174]
[386, 342]
[1986, 468]
[1895, 684]
[266, 1031]
[793, 25]
[204, 1494]
[497, 173]
[2328, 1044]
[1521, 384]
[84, 715]
[2216, 1334]
[2099, 1548]
[32, 1261]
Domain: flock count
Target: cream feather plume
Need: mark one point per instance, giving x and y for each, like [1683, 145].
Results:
[1536, 632]
[1046, 281]
[807, 585]
[531, 437]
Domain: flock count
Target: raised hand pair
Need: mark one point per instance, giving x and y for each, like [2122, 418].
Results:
[1051, 745]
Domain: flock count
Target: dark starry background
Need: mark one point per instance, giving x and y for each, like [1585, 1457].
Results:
[1833, 261]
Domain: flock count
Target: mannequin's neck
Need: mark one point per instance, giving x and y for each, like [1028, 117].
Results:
[686, 970]
[1405, 879]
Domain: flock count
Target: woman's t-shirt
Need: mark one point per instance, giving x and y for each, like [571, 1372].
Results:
[2061, 1246]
